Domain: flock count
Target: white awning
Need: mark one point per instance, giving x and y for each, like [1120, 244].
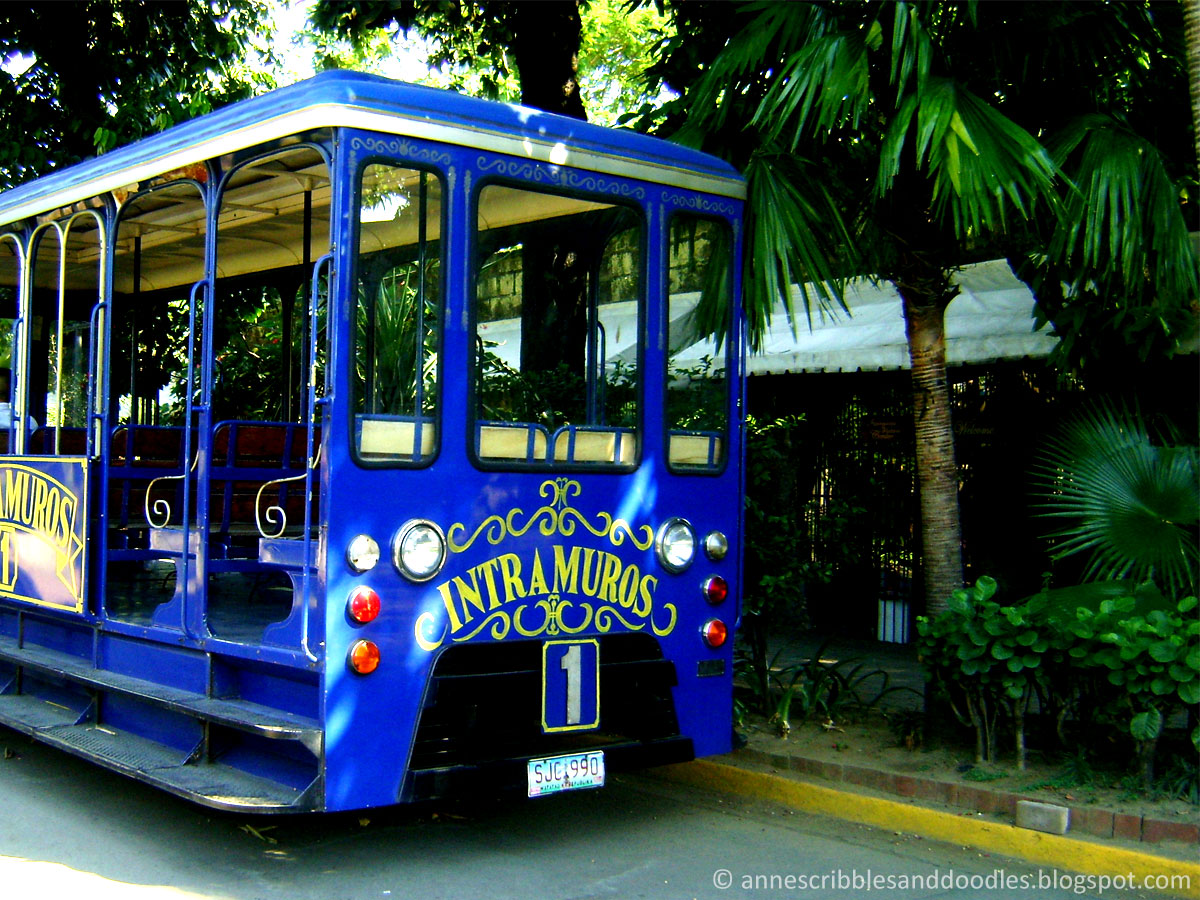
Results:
[991, 319]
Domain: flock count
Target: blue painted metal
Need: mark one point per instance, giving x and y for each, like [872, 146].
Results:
[544, 553]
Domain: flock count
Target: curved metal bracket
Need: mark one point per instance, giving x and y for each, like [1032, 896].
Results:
[276, 515]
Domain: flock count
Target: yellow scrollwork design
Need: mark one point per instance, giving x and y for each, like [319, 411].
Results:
[619, 529]
[568, 629]
[424, 622]
[557, 517]
[544, 514]
[496, 526]
[500, 622]
[562, 488]
[605, 615]
[553, 623]
[663, 632]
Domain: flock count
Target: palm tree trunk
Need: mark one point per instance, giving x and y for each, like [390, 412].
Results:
[937, 471]
[1191, 30]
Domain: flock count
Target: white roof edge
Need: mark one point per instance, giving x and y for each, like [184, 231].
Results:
[342, 115]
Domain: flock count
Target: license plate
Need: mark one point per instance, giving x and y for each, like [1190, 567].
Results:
[572, 772]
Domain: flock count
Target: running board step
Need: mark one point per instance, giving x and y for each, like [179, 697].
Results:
[243, 715]
[211, 784]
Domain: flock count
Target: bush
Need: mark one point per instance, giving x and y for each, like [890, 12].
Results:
[1121, 664]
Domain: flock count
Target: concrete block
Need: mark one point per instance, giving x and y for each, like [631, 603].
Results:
[1043, 817]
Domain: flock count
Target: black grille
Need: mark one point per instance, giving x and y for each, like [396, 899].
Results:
[484, 703]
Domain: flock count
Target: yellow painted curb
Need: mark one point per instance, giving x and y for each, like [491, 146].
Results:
[1046, 849]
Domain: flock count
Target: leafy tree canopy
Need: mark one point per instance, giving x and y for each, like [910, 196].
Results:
[502, 51]
[83, 77]
[1055, 134]
[539, 42]
[902, 140]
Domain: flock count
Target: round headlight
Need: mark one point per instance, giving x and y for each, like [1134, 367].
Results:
[418, 550]
[716, 545]
[675, 544]
[362, 553]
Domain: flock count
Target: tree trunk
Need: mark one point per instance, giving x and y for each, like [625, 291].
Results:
[545, 46]
[937, 471]
[1191, 30]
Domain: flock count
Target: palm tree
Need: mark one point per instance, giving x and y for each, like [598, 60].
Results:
[905, 140]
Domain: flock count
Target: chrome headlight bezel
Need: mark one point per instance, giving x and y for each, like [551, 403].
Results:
[404, 550]
[675, 544]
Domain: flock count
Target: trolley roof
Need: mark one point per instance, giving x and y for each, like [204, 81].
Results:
[356, 100]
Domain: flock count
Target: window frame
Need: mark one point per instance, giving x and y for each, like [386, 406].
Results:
[443, 254]
[643, 224]
[727, 349]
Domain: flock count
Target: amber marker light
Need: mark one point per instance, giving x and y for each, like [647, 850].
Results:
[364, 657]
[714, 632]
[363, 605]
[716, 589]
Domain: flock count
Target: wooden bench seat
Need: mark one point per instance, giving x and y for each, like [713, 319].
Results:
[257, 466]
[139, 456]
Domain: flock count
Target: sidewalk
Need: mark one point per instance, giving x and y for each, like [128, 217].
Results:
[1081, 838]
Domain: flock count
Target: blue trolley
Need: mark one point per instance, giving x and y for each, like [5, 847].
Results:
[366, 443]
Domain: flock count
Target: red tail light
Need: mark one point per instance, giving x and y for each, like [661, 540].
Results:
[363, 605]
[716, 589]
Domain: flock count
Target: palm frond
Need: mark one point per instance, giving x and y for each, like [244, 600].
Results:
[794, 234]
[912, 49]
[984, 167]
[1124, 222]
[1131, 504]
[770, 32]
[822, 86]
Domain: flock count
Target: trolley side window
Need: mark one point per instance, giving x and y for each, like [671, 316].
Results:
[397, 321]
[272, 228]
[65, 285]
[699, 313]
[558, 315]
[158, 255]
[11, 266]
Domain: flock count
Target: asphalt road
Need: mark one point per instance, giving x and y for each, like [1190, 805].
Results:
[71, 830]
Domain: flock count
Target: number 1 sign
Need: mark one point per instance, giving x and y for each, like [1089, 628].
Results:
[570, 685]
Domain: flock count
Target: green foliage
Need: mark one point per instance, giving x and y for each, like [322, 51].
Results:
[471, 40]
[387, 335]
[1131, 503]
[697, 397]
[106, 72]
[785, 554]
[980, 774]
[1143, 668]
[618, 45]
[917, 138]
[831, 690]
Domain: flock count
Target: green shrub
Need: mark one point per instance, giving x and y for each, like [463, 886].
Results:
[1138, 667]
